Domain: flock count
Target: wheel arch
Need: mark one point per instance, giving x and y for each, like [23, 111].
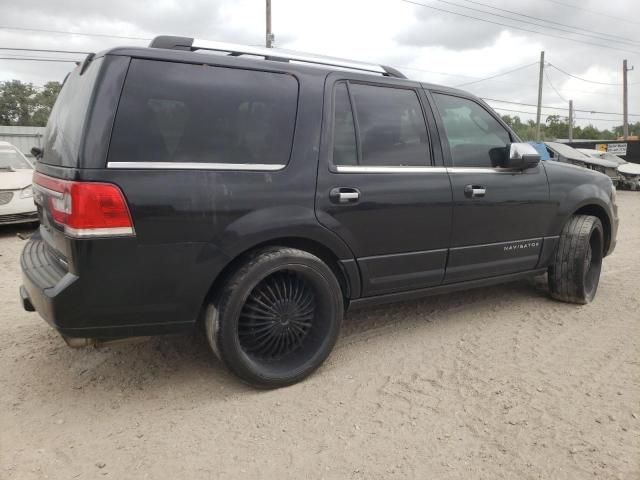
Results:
[598, 211]
[345, 270]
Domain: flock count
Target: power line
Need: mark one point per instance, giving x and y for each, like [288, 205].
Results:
[593, 34]
[576, 7]
[433, 71]
[447, 2]
[24, 55]
[555, 108]
[497, 75]
[554, 88]
[519, 28]
[40, 59]
[575, 118]
[42, 50]
[403, 67]
[583, 79]
[572, 91]
[103, 35]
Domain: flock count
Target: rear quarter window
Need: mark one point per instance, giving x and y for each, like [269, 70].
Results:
[172, 112]
[65, 126]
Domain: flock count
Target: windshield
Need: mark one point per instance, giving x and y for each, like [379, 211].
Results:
[12, 159]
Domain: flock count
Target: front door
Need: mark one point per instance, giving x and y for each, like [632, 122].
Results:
[379, 187]
[499, 215]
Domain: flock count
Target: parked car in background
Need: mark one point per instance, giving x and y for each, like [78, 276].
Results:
[602, 155]
[628, 173]
[629, 176]
[564, 153]
[16, 193]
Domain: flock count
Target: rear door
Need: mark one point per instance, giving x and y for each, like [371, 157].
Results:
[499, 215]
[381, 185]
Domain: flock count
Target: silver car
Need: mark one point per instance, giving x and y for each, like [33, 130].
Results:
[628, 173]
[564, 153]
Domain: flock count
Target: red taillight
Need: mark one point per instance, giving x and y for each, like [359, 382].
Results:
[86, 209]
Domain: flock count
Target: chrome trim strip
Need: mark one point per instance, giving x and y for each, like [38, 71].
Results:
[481, 170]
[260, 167]
[47, 191]
[420, 252]
[99, 232]
[389, 169]
[494, 244]
[286, 54]
[392, 169]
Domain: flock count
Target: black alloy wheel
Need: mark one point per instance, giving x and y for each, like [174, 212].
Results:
[277, 317]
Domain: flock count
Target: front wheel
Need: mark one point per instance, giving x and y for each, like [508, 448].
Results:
[575, 272]
[277, 317]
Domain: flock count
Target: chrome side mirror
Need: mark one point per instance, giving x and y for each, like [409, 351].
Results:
[521, 156]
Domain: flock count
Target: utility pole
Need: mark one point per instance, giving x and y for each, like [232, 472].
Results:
[625, 100]
[269, 38]
[571, 120]
[538, 113]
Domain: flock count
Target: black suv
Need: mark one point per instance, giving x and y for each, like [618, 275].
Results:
[260, 193]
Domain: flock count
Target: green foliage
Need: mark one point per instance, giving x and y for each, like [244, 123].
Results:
[556, 127]
[25, 105]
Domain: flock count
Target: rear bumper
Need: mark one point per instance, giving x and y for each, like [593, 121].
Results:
[115, 297]
[43, 282]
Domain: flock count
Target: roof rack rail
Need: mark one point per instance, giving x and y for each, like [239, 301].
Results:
[191, 44]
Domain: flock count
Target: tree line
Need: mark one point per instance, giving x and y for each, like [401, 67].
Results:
[556, 127]
[26, 105]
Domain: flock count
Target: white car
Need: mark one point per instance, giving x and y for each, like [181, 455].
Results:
[16, 192]
[629, 172]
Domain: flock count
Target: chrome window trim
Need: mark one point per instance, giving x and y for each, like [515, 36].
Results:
[257, 167]
[398, 169]
[481, 170]
[387, 169]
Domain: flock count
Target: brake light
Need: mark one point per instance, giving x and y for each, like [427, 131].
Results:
[86, 209]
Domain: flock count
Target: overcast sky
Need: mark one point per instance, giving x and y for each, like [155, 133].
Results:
[426, 44]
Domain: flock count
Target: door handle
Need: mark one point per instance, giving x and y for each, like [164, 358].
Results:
[474, 191]
[344, 195]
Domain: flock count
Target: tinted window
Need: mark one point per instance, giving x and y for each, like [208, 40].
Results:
[344, 131]
[476, 139]
[392, 130]
[172, 112]
[66, 122]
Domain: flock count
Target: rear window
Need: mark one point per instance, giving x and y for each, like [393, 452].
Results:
[172, 112]
[65, 125]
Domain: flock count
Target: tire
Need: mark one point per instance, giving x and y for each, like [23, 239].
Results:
[277, 317]
[575, 272]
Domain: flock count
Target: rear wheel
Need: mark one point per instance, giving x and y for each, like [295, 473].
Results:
[277, 317]
[575, 272]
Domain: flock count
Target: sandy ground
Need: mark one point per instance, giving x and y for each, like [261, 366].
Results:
[499, 382]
